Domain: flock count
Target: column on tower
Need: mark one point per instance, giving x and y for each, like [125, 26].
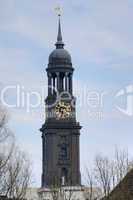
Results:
[66, 81]
[70, 83]
[49, 84]
[58, 81]
[54, 84]
[62, 81]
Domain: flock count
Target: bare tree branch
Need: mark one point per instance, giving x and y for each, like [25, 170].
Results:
[108, 173]
[15, 171]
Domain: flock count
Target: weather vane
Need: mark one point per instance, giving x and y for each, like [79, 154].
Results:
[58, 10]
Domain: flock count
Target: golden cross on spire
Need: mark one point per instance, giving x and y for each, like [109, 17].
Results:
[58, 10]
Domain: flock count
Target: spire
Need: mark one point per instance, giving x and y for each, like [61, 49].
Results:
[59, 44]
[59, 37]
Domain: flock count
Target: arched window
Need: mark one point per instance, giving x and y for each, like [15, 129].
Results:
[64, 175]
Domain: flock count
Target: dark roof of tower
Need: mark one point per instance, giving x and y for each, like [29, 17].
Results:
[124, 190]
[60, 56]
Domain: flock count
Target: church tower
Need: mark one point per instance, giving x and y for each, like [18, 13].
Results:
[61, 131]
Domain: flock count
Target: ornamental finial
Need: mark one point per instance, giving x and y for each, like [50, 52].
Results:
[58, 10]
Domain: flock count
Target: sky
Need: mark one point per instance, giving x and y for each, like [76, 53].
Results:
[98, 34]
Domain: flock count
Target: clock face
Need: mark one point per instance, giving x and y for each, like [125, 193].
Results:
[63, 110]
